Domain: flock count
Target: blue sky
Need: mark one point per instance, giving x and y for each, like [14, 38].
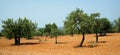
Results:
[55, 11]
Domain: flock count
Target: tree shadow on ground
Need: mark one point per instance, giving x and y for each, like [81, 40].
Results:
[93, 42]
[26, 44]
[62, 42]
[105, 35]
[102, 41]
[86, 46]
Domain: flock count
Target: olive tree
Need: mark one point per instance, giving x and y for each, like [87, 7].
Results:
[95, 17]
[52, 31]
[79, 20]
[21, 28]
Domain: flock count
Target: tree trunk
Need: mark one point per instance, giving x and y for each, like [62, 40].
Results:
[71, 34]
[83, 38]
[17, 40]
[56, 39]
[96, 37]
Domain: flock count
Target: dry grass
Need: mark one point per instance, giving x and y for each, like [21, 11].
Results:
[107, 45]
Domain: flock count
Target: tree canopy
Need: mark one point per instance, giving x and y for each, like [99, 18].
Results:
[104, 26]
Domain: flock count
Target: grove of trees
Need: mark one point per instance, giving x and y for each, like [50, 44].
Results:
[77, 22]
[80, 22]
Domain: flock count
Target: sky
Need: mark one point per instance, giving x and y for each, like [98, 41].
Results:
[55, 11]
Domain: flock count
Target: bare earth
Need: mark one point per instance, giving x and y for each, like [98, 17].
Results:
[67, 45]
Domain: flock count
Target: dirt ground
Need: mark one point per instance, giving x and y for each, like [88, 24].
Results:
[67, 45]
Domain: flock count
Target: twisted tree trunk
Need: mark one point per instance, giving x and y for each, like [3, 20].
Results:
[83, 38]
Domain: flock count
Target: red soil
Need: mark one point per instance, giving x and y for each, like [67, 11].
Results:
[67, 45]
